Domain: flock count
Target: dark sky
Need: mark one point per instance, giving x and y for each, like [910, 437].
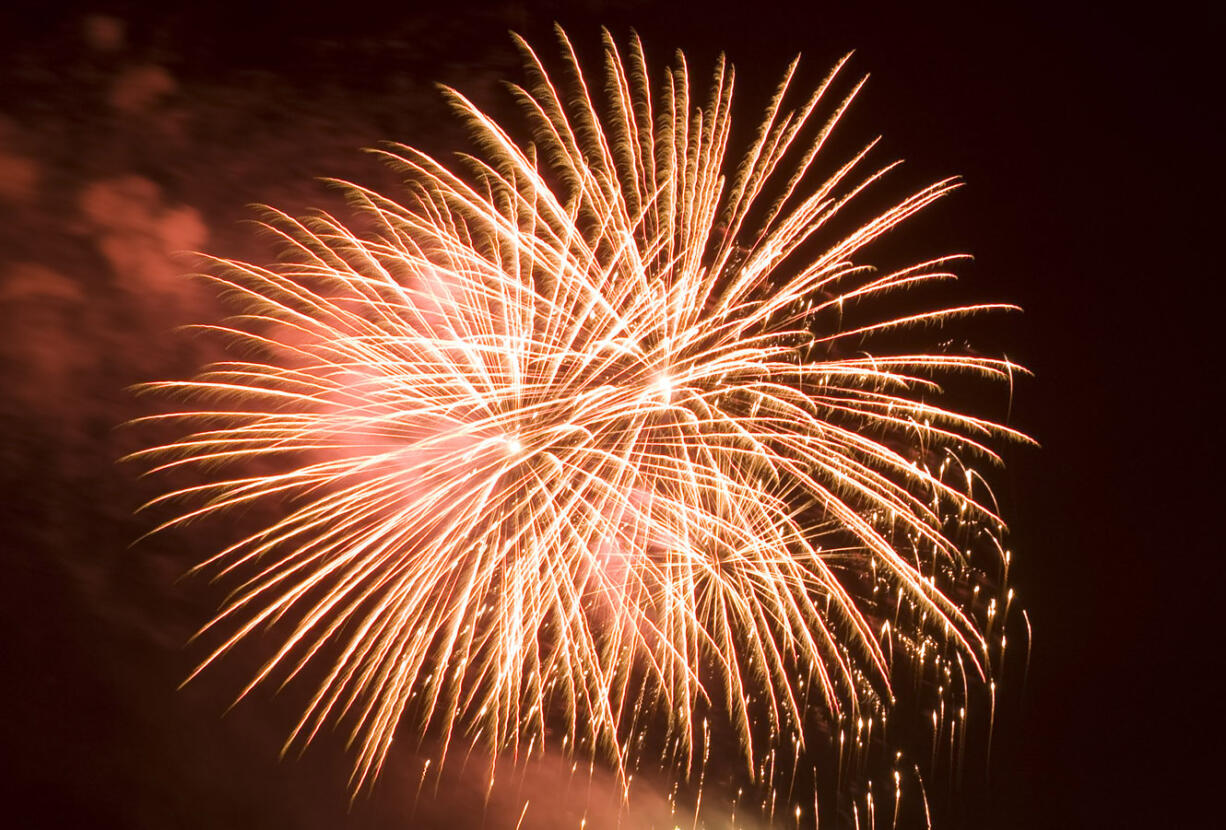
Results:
[1083, 137]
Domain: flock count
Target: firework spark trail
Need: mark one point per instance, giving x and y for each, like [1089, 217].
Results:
[571, 436]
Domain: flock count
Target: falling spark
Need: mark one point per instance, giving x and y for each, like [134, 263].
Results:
[590, 441]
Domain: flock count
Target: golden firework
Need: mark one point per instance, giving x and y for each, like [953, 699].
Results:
[581, 443]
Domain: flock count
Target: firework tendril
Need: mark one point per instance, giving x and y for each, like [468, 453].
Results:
[587, 442]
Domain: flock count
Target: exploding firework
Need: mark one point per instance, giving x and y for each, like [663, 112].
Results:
[590, 442]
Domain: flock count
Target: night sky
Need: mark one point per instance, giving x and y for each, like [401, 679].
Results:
[130, 132]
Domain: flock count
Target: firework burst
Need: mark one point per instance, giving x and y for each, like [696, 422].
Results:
[579, 446]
